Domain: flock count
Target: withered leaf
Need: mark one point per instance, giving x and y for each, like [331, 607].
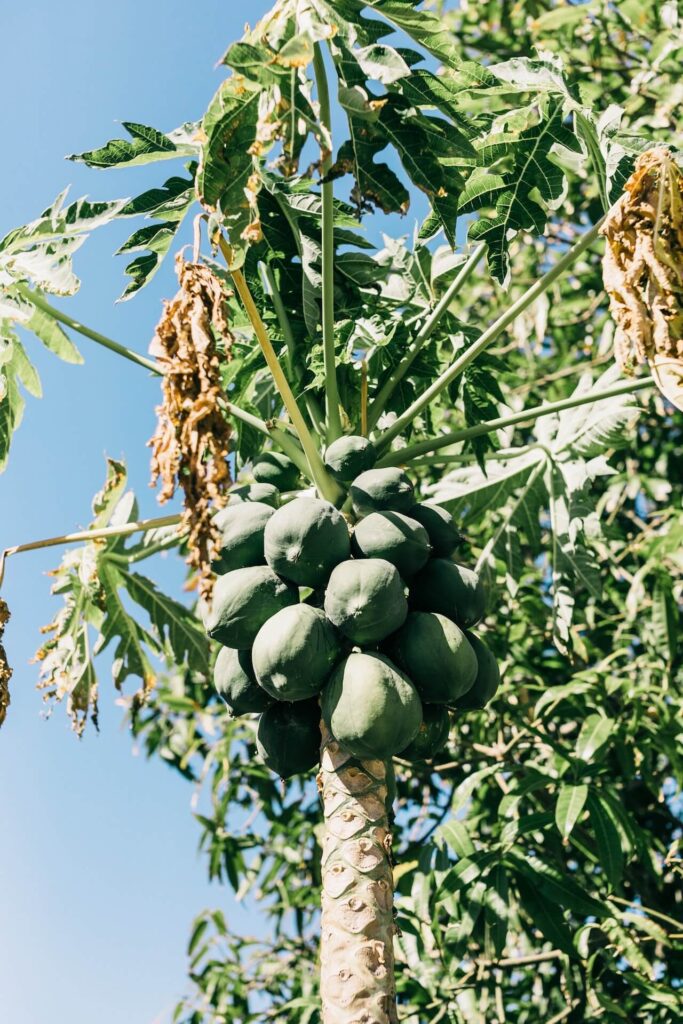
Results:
[643, 271]
[192, 441]
[5, 670]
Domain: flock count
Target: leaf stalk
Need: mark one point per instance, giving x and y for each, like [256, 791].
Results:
[425, 332]
[407, 454]
[490, 335]
[334, 427]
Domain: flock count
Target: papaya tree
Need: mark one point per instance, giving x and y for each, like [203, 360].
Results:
[431, 507]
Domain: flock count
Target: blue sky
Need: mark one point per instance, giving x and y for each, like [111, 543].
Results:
[99, 869]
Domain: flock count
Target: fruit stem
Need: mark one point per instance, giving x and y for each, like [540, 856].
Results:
[407, 454]
[334, 427]
[381, 400]
[490, 335]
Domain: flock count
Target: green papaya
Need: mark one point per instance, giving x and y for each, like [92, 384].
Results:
[288, 737]
[450, 589]
[273, 467]
[487, 679]
[436, 655]
[348, 456]
[370, 706]
[365, 599]
[241, 529]
[381, 490]
[394, 537]
[233, 677]
[294, 652]
[242, 601]
[444, 535]
[431, 737]
[266, 493]
[304, 541]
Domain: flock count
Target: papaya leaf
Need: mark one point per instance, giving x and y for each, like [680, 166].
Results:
[521, 196]
[176, 626]
[145, 146]
[16, 371]
[41, 252]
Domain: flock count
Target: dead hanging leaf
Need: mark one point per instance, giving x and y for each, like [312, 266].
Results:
[191, 445]
[643, 271]
[5, 670]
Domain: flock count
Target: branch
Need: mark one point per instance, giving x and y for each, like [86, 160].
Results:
[141, 525]
[490, 335]
[425, 332]
[407, 454]
[334, 427]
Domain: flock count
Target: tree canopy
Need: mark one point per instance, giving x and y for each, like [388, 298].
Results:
[538, 857]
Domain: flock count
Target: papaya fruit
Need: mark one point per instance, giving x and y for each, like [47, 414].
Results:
[370, 706]
[241, 527]
[452, 590]
[348, 456]
[233, 677]
[242, 601]
[294, 653]
[381, 490]
[304, 541]
[394, 537]
[275, 468]
[288, 737]
[266, 493]
[365, 599]
[487, 681]
[444, 535]
[436, 655]
[431, 737]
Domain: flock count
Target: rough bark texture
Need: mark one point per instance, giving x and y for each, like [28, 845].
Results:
[356, 952]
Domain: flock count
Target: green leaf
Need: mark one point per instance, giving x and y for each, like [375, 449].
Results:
[571, 801]
[121, 630]
[178, 628]
[608, 839]
[146, 146]
[15, 370]
[53, 336]
[532, 184]
[546, 916]
[557, 885]
[595, 732]
[455, 834]
[497, 910]
[665, 618]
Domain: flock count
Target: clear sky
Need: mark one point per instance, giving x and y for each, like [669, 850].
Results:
[99, 871]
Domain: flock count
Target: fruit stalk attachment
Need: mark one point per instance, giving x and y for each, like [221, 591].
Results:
[357, 981]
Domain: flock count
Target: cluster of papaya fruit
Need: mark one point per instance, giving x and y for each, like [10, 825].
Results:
[364, 616]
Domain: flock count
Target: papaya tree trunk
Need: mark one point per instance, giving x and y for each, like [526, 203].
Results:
[357, 982]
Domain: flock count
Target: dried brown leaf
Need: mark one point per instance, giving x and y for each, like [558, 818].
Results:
[643, 271]
[5, 670]
[191, 445]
